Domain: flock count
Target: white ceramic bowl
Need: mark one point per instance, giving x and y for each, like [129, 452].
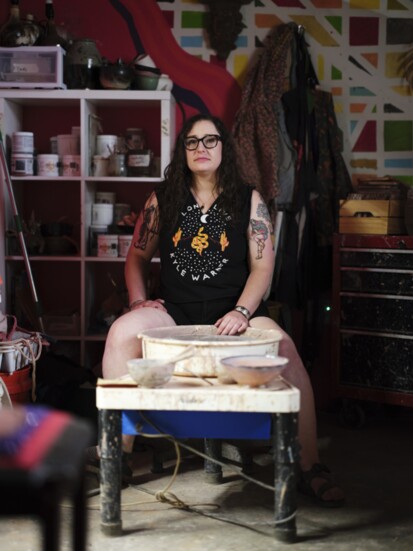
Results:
[254, 370]
[150, 373]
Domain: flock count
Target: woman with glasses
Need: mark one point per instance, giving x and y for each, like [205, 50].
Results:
[215, 240]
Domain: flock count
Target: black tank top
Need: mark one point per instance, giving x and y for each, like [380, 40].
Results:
[205, 257]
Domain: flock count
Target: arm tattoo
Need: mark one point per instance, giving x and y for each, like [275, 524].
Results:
[262, 211]
[259, 233]
[149, 227]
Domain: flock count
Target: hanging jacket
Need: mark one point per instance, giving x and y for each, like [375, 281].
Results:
[255, 129]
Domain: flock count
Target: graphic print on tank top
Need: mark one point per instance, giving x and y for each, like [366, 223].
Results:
[200, 243]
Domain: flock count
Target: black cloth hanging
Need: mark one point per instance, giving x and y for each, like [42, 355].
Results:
[294, 277]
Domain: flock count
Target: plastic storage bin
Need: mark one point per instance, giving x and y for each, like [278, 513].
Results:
[32, 67]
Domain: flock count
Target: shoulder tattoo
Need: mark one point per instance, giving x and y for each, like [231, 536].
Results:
[262, 211]
[149, 227]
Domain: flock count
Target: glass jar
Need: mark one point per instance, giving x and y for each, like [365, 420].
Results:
[17, 32]
[135, 138]
[83, 65]
[117, 165]
[139, 162]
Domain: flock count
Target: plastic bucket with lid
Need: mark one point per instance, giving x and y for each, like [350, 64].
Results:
[22, 164]
[102, 214]
[108, 246]
[48, 165]
[22, 142]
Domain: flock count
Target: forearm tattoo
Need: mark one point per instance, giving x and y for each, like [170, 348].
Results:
[261, 230]
[149, 227]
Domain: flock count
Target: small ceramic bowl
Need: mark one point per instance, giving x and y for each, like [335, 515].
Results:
[146, 81]
[150, 373]
[254, 370]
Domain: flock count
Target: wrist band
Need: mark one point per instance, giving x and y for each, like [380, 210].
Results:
[135, 302]
[244, 311]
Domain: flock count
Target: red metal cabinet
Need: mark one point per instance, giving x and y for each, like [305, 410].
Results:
[372, 339]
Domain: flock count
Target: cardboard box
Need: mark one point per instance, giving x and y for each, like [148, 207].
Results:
[372, 216]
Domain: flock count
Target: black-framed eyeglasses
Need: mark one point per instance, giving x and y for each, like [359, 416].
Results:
[209, 141]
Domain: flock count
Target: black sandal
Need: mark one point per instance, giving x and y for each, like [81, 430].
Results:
[319, 471]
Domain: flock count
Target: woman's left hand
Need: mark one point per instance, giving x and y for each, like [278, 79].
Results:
[232, 323]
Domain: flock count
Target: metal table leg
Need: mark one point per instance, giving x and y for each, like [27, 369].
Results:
[285, 462]
[110, 442]
[213, 471]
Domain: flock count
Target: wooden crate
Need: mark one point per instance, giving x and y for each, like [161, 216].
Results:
[372, 216]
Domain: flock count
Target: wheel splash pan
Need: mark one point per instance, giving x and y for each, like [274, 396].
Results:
[209, 347]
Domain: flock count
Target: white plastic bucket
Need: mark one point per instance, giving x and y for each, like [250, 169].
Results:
[108, 246]
[23, 142]
[102, 214]
[108, 197]
[106, 144]
[22, 164]
[124, 244]
[48, 165]
[68, 144]
[71, 165]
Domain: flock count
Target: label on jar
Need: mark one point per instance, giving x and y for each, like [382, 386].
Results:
[22, 165]
[139, 160]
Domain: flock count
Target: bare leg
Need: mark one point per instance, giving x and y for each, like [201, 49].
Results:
[122, 344]
[297, 375]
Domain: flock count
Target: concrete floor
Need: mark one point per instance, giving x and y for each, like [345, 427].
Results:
[373, 465]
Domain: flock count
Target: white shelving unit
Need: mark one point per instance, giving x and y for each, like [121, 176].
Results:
[77, 282]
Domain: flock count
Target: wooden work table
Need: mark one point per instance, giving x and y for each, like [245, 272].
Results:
[282, 401]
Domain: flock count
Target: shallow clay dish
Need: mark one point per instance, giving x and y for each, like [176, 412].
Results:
[254, 370]
[150, 373]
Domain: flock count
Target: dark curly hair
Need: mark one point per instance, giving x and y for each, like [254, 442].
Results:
[178, 178]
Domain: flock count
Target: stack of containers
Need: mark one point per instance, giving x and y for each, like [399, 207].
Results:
[102, 217]
[22, 156]
[111, 246]
[71, 159]
[66, 147]
[106, 146]
[105, 212]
